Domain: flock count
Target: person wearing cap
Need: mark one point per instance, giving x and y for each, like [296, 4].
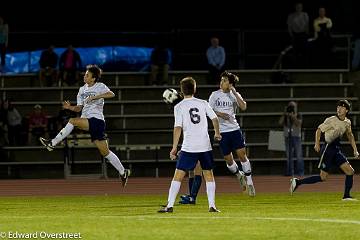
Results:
[38, 123]
[331, 155]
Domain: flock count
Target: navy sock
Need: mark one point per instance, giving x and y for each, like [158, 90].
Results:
[196, 186]
[348, 185]
[191, 181]
[309, 180]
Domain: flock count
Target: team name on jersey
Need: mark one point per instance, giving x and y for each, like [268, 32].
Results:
[219, 103]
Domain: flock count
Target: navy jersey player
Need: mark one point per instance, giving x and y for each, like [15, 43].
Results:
[331, 155]
[191, 119]
[90, 102]
[225, 103]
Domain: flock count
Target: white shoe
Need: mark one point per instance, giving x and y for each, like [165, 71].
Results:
[251, 190]
[293, 185]
[242, 180]
[350, 199]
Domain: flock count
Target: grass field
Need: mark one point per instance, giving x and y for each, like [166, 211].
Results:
[267, 216]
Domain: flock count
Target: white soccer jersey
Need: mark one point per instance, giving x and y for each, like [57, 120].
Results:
[93, 108]
[225, 103]
[190, 114]
[334, 128]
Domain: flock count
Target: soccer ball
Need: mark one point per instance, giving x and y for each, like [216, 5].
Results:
[170, 95]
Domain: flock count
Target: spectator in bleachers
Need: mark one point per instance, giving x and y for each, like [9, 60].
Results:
[13, 122]
[355, 64]
[70, 66]
[3, 125]
[298, 27]
[38, 123]
[323, 40]
[291, 120]
[160, 60]
[48, 67]
[216, 59]
[4, 32]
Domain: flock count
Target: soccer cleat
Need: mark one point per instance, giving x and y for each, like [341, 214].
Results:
[242, 180]
[293, 185]
[213, 209]
[166, 210]
[186, 199]
[47, 144]
[349, 198]
[124, 178]
[251, 190]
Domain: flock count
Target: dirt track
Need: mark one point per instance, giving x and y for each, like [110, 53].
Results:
[157, 186]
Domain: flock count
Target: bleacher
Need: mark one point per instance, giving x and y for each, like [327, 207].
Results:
[139, 123]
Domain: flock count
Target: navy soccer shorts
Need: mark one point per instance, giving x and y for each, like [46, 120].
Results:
[97, 129]
[187, 161]
[231, 141]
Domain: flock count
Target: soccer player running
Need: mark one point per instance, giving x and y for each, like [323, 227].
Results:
[90, 102]
[331, 156]
[225, 102]
[190, 117]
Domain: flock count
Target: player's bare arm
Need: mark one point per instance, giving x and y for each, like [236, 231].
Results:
[176, 138]
[67, 105]
[351, 139]
[240, 101]
[222, 115]
[317, 140]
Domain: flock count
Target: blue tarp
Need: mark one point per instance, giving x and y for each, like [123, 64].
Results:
[110, 58]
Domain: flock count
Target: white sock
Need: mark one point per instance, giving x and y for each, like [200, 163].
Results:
[173, 192]
[114, 160]
[233, 168]
[62, 134]
[246, 166]
[210, 190]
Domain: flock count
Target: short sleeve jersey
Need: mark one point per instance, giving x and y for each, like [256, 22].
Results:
[225, 103]
[334, 128]
[95, 108]
[191, 115]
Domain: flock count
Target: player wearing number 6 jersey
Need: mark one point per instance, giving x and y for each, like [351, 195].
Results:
[191, 118]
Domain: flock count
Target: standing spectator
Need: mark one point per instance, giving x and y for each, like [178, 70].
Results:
[48, 67]
[298, 27]
[38, 123]
[159, 63]
[323, 40]
[70, 66]
[14, 123]
[291, 121]
[216, 59]
[4, 36]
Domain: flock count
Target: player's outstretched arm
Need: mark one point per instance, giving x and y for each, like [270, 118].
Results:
[67, 105]
[317, 140]
[176, 138]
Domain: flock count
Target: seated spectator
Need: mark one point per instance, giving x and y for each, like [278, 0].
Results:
[48, 67]
[70, 66]
[14, 124]
[159, 65]
[38, 123]
[216, 59]
[3, 125]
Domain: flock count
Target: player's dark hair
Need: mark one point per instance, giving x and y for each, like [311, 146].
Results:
[344, 103]
[187, 86]
[95, 71]
[233, 79]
